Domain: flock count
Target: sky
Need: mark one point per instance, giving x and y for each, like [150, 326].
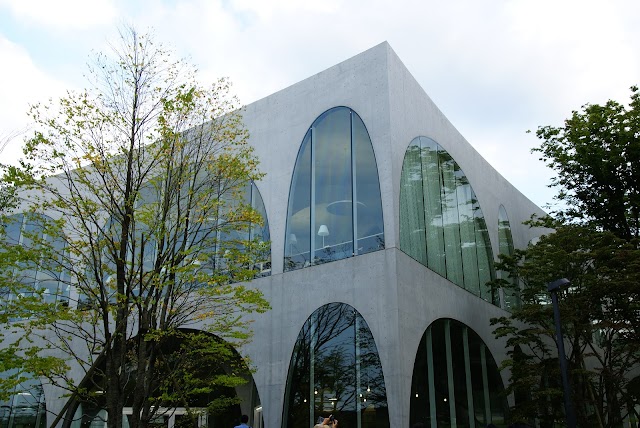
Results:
[496, 68]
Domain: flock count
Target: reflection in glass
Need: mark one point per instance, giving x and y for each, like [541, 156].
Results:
[335, 369]
[441, 223]
[456, 381]
[45, 276]
[212, 235]
[511, 295]
[26, 406]
[335, 166]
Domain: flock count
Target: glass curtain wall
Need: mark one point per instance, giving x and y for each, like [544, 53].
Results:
[456, 382]
[510, 295]
[335, 166]
[44, 276]
[335, 369]
[441, 223]
[25, 407]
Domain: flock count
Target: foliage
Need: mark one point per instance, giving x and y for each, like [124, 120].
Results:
[144, 176]
[601, 325]
[596, 156]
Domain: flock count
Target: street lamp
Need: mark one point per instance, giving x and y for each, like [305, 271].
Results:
[553, 288]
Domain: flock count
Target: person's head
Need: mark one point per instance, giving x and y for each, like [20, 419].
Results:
[244, 419]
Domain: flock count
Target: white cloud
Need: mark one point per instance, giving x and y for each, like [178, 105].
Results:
[21, 85]
[495, 68]
[66, 15]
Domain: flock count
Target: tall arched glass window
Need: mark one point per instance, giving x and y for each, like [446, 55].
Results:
[335, 369]
[335, 166]
[25, 407]
[456, 381]
[511, 295]
[441, 223]
[45, 276]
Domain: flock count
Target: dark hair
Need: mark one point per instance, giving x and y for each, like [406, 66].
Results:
[244, 419]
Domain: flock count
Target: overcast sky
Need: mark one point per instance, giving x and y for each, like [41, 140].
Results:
[495, 68]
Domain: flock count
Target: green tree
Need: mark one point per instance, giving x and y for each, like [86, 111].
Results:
[143, 175]
[601, 325]
[596, 156]
[594, 243]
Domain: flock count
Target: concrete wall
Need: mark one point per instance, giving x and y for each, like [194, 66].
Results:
[398, 297]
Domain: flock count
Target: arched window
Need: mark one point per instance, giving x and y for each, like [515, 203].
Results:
[441, 223]
[456, 381]
[510, 295]
[25, 407]
[335, 166]
[195, 388]
[335, 369]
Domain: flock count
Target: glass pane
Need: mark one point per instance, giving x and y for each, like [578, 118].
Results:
[333, 224]
[485, 258]
[369, 206]
[433, 206]
[441, 381]
[297, 239]
[335, 369]
[419, 411]
[412, 228]
[13, 228]
[467, 234]
[505, 245]
[453, 254]
[261, 232]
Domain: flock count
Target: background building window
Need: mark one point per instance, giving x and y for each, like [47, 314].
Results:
[335, 166]
[441, 223]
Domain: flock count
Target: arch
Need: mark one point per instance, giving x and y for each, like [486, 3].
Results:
[441, 222]
[195, 370]
[335, 369]
[335, 166]
[26, 407]
[456, 381]
[510, 294]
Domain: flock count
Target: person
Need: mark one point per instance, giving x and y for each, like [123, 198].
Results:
[244, 421]
[327, 422]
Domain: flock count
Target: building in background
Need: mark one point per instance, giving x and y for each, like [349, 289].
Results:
[384, 225]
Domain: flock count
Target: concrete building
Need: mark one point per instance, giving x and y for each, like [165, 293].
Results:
[380, 309]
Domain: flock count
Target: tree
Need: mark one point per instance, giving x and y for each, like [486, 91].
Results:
[594, 244]
[601, 325]
[143, 175]
[596, 155]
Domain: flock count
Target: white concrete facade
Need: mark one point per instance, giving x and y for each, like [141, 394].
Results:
[398, 297]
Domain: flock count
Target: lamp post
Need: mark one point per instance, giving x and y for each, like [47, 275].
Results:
[553, 288]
